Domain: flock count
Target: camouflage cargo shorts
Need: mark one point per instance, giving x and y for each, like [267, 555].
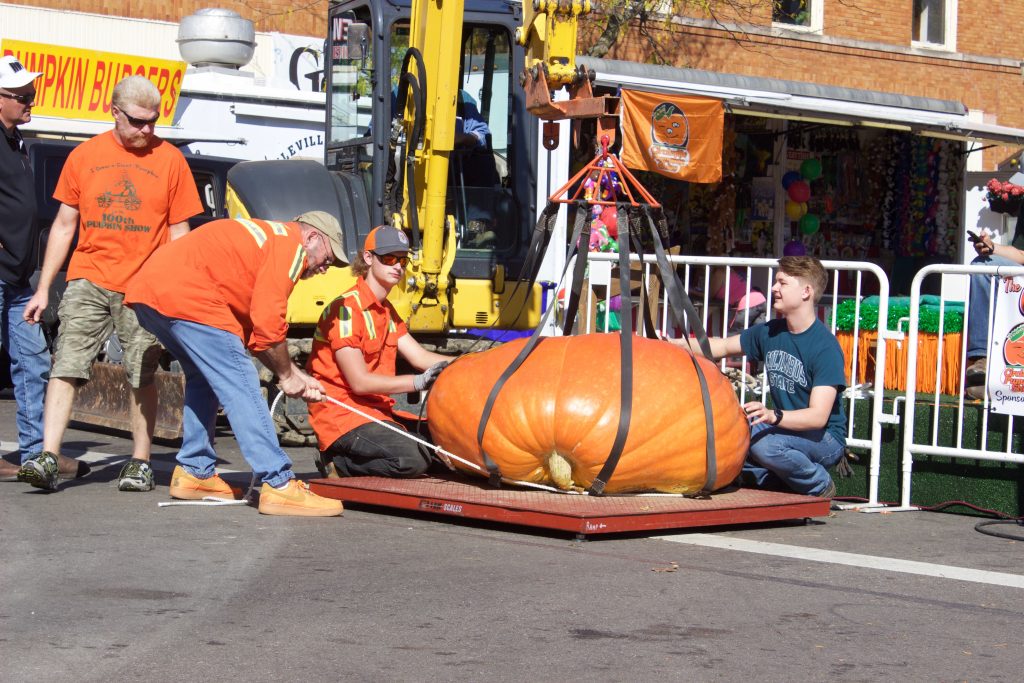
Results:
[88, 313]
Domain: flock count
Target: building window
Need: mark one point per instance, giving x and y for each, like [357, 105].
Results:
[934, 23]
[797, 14]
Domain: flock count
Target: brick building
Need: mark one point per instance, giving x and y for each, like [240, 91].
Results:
[864, 44]
[937, 54]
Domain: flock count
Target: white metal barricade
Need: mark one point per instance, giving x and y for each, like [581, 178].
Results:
[756, 273]
[936, 402]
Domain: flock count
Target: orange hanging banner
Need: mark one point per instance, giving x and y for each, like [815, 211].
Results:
[676, 136]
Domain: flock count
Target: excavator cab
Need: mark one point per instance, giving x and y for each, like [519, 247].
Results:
[490, 186]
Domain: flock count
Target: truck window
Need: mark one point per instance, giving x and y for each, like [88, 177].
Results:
[351, 82]
[206, 184]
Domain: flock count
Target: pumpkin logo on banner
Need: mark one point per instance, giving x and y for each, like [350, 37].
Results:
[670, 134]
[1006, 355]
[679, 137]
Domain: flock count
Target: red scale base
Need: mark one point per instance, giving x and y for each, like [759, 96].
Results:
[582, 515]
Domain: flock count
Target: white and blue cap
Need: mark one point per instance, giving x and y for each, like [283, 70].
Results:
[13, 74]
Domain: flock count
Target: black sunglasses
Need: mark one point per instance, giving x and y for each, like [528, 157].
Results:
[391, 259]
[27, 98]
[139, 123]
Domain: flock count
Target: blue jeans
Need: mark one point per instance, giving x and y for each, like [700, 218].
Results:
[30, 366]
[796, 460]
[219, 371]
[981, 287]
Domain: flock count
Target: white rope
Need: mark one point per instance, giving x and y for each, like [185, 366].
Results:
[208, 501]
[213, 501]
[438, 449]
[478, 468]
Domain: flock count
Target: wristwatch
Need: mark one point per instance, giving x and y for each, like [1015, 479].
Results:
[778, 417]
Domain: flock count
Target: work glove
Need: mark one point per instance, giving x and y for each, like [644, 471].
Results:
[425, 379]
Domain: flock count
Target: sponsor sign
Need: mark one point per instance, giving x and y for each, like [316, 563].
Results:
[1006, 355]
[78, 84]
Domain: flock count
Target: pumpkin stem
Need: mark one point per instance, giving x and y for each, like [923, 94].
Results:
[560, 471]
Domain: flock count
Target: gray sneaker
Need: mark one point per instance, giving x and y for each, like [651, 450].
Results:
[136, 475]
[40, 471]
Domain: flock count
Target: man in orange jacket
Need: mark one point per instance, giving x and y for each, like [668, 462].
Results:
[208, 297]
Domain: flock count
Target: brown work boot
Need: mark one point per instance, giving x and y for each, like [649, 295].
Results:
[69, 468]
[975, 373]
[185, 486]
[325, 466]
[8, 471]
[296, 500]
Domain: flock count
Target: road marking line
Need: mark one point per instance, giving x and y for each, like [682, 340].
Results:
[110, 459]
[851, 559]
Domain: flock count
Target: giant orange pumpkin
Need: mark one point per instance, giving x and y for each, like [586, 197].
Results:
[555, 420]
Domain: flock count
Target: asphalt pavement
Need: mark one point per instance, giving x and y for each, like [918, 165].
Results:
[101, 585]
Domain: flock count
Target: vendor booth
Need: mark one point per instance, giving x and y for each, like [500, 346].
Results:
[800, 168]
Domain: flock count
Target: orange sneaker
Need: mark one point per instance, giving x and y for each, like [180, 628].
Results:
[297, 500]
[184, 486]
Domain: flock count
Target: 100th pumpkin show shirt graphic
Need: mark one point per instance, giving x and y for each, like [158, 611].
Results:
[126, 199]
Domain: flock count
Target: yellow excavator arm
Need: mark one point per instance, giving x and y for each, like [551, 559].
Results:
[549, 35]
[438, 56]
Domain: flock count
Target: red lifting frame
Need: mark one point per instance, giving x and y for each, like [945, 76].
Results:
[605, 164]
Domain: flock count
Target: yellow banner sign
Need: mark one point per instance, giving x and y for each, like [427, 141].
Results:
[675, 135]
[78, 84]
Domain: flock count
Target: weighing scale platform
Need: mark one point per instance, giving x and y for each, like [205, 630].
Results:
[583, 515]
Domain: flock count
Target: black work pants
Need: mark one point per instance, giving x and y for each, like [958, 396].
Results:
[376, 451]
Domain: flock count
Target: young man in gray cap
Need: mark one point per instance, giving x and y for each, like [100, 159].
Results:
[355, 346]
[19, 239]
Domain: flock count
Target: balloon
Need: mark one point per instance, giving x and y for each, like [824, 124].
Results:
[610, 218]
[790, 178]
[794, 210]
[799, 191]
[810, 169]
[794, 248]
[810, 224]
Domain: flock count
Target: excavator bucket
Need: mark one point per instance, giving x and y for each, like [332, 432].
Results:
[105, 400]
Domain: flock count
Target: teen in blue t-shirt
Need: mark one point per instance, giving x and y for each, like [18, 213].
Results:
[795, 442]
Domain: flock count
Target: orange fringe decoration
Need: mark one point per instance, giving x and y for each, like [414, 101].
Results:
[947, 380]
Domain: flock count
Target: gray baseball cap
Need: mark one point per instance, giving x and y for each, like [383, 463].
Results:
[386, 239]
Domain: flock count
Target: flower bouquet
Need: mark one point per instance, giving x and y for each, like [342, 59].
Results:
[1004, 197]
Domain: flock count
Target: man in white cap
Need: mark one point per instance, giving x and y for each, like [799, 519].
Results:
[212, 297]
[19, 239]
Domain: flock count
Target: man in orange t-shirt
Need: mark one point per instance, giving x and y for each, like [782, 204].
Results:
[212, 297]
[354, 350]
[125, 192]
